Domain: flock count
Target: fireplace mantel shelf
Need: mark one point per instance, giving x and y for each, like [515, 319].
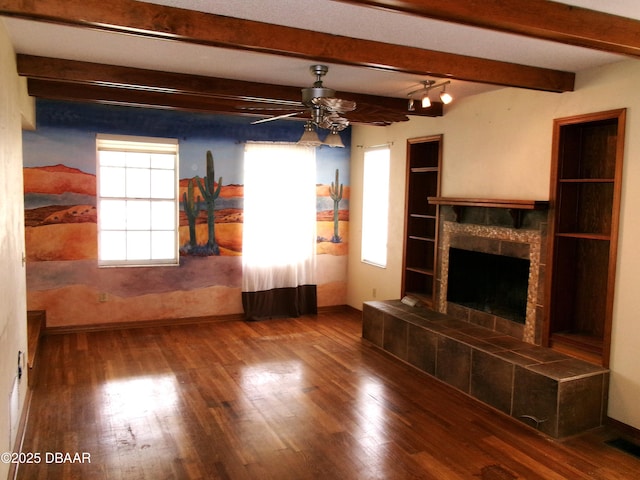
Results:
[488, 202]
[515, 207]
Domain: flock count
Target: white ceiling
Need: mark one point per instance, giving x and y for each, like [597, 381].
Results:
[74, 43]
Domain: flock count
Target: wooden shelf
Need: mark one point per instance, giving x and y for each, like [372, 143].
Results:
[586, 347]
[586, 236]
[423, 271]
[586, 180]
[492, 203]
[422, 239]
[424, 169]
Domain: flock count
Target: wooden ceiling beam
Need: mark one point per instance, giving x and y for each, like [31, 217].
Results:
[181, 91]
[94, 93]
[539, 19]
[169, 23]
[164, 99]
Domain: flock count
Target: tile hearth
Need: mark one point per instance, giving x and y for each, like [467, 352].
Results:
[557, 394]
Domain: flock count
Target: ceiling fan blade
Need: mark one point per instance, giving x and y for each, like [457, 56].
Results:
[268, 109]
[337, 105]
[375, 115]
[277, 117]
[272, 105]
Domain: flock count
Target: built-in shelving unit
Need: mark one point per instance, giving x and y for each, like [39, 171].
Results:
[421, 222]
[585, 194]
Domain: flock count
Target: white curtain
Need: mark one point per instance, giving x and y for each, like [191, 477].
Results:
[279, 230]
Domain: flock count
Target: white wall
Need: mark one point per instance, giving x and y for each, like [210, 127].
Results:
[498, 145]
[13, 313]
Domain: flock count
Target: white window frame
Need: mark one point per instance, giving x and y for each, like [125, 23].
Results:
[375, 206]
[137, 144]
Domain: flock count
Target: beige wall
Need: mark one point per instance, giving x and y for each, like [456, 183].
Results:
[498, 145]
[13, 322]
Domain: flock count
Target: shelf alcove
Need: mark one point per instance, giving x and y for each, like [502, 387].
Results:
[586, 177]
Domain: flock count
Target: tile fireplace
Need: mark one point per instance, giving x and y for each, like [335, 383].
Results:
[491, 274]
[484, 350]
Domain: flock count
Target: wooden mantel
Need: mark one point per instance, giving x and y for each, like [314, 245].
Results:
[515, 207]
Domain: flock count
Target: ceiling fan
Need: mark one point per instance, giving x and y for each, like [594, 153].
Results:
[324, 109]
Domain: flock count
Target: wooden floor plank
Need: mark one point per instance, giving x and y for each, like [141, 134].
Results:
[302, 398]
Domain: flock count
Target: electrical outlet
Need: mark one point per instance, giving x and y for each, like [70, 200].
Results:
[374, 292]
[102, 297]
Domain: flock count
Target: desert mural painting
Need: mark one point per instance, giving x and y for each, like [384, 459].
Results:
[63, 277]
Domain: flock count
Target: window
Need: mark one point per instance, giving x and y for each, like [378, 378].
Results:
[279, 231]
[288, 237]
[375, 206]
[137, 201]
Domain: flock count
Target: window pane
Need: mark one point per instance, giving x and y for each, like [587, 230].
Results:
[138, 182]
[138, 215]
[112, 159]
[163, 216]
[162, 245]
[113, 245]
[375, 207]
[163, 161]
[113, 214]
[112, 182]
[138, 245]
[138, 160]
[162, 184]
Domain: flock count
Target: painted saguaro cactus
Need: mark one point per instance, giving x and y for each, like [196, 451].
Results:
[191, 209]
[210, 192]
[336, 195]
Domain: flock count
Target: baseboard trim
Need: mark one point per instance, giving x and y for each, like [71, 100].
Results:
[22, 430]
[337, 309]
[624, 429]
[165, 322]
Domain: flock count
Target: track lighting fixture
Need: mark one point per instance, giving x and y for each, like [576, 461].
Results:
[427, 86]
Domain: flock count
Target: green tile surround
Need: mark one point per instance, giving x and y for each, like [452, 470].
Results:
[555, 393]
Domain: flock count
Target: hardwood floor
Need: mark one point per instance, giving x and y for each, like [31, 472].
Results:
[296, 399]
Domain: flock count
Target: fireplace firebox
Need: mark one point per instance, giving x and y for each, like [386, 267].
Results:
[495, 284]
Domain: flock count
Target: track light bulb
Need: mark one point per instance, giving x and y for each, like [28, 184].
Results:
[426, 101]
[445, 97]
[411, 106]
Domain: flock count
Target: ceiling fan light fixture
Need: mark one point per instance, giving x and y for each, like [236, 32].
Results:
[309, 137]
[333, 139]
